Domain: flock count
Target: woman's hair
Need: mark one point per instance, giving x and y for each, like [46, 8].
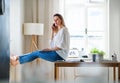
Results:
[61, 18]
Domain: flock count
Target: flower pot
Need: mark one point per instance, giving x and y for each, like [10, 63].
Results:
[97, 58]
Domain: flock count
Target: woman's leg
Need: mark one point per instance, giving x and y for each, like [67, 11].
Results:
[28, 57]
[47, 55]
[14, 60]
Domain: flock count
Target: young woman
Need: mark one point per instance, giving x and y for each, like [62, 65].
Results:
[59, 45]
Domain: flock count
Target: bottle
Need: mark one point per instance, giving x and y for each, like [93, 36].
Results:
[83, 53]
[114, 57]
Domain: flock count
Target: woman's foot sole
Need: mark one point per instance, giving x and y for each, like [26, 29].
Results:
[13, 60]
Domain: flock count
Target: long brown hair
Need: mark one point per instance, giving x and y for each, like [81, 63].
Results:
[61, 18]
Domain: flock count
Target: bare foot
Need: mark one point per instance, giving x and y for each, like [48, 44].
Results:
[14, 60]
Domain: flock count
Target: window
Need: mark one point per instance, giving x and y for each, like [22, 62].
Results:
[97, 1]
[87, 23]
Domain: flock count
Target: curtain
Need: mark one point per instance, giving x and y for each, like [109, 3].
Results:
[41, 11]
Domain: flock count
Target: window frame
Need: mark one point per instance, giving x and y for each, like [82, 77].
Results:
[92, 4]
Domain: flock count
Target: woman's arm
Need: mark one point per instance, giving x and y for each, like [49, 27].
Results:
[54, 31]
[52, 49]
[52, 35]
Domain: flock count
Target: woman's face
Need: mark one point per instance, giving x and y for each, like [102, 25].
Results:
[57, 21]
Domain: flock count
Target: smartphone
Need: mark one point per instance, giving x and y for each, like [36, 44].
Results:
[54, 26]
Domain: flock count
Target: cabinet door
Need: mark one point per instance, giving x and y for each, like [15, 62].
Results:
[84, 75]
[4, 45]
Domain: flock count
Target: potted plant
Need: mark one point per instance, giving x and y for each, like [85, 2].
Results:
[97, 55]
[101, 53]
[94, 51]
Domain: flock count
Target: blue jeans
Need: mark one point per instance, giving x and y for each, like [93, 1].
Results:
[46, 55]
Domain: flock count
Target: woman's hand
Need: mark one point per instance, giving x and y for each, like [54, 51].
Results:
[52, 49]
[47, 49]
[54, 28]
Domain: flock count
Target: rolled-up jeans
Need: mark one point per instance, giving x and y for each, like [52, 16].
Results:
[51, 56]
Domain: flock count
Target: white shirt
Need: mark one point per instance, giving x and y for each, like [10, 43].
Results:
[61, 40]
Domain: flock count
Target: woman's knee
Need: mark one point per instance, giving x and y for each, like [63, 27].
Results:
[35, 53]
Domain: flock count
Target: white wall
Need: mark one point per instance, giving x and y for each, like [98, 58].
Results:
[16, 21]
[16, 36]
[114, 24]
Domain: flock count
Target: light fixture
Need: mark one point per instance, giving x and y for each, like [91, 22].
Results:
[33, 29]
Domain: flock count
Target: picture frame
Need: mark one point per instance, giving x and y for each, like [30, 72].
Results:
[2, 7]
